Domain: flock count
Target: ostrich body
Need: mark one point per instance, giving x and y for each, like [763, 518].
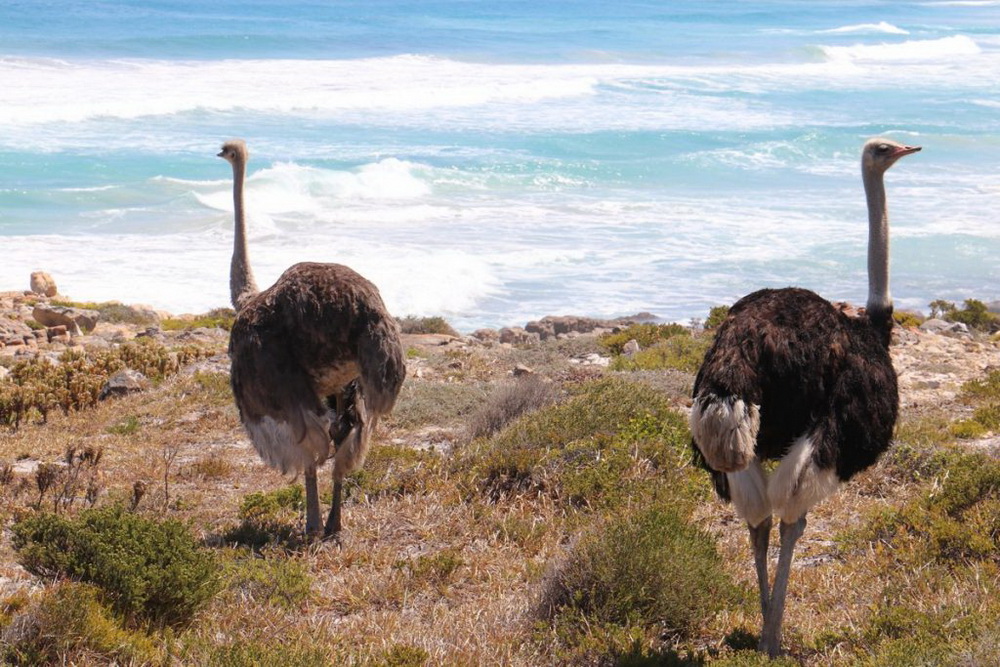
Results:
[792, 378]
[316, 360]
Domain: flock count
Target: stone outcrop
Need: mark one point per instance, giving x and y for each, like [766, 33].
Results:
[123, 383]
[43, 283]
[15, 332]
[76, 320]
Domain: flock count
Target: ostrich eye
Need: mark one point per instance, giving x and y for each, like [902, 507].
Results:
[883, 148]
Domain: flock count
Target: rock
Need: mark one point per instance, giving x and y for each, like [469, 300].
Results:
[3, 373]
[42, 283]
[486, 335]
[631, 347]
[15, 332]
[57, 333]
[517, 336]
[521, 370]
[565, 325]
[76, 320]
[123, 383]
[592, 359]
[939, 326]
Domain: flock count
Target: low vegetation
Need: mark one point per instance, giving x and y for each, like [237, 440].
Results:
[36, 387]
[426, 325]
[553, 518]
[974, 314]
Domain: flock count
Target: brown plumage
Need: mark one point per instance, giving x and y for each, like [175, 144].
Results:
[316, 360]
[792, 378]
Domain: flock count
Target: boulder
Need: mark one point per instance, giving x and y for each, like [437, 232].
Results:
[76, 320]
[630, 348]
[43, 283]
[517, 336]
[486, 335]
[123, 383]
[939, 326]
[15, 332]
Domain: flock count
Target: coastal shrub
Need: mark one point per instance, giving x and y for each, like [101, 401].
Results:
[509, 401]
[973, 314]
[35, 387]
[113, 311]
[438, 403]
[426, 325]
[148, 570]
[257, 652]
[394, 471]
[270, 517]
[906, 318]
[645, 334]
[716, 316]
[217, 318]
[683, 352]
[68, 623]
[282, 582]
[611, 441]
[956, 520]
[648, 568]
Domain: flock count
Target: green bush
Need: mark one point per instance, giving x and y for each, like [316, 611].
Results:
[220, 318]
[650, 568]
[682, 352]
[69, 624]
[393, 471]
[277, 581]
[509, 401]
[645, 334]
[973, 314]
[270, 518]
[716, 316]
[148, 570]
[577, 451]
[426, 325]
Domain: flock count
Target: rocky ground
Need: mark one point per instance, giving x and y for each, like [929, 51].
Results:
[182, 442]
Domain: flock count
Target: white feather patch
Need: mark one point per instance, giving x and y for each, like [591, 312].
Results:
[725, 431]
[748, 491]
[798, 485]
[277, 445]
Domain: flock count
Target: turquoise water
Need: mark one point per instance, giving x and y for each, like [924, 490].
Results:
[494, 162]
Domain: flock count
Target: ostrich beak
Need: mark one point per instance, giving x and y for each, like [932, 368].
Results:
[906, 150]
[221, 153]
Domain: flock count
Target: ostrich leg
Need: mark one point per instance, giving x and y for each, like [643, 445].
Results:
[759, 538]
[770, 638]
[333, 521]
[312, 503]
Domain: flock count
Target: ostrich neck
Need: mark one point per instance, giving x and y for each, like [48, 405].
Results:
[242, 286]
[879, 299]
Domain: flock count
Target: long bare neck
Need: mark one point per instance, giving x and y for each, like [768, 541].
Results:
[242, 286]
[879, 299]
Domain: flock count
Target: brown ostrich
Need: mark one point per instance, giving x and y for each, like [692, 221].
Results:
[316, 360]
[792, 378]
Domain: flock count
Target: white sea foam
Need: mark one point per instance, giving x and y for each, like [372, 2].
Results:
[863, 28]
[957, 46]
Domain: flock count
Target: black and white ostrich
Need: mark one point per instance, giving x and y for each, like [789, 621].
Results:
[792, 378]
[316, 360]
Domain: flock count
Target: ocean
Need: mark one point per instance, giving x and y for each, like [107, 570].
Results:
[494, 162]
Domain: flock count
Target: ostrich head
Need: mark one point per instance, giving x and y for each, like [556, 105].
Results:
[234, 151]
[880, 153]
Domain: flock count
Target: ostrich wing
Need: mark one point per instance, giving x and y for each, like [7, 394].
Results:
[286, 421]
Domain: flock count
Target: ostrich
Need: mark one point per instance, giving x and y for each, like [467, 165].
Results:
[316, 360]
[792, 378]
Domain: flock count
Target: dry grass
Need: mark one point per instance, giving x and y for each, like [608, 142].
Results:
[434, 569]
